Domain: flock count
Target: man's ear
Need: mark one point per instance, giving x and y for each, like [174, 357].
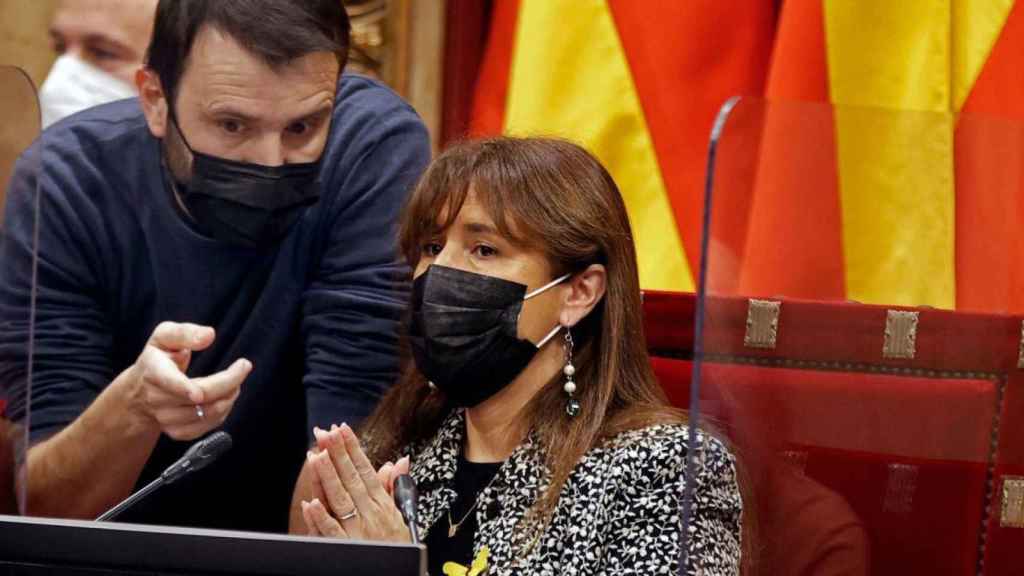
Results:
[582, 293]
[153, 100]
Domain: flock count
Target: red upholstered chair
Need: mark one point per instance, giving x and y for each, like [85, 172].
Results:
[858, 464]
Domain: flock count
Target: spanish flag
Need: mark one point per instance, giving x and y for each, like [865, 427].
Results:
[639, 84]
[914, 195]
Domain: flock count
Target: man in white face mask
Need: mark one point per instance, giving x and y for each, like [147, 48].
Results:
[100, 44]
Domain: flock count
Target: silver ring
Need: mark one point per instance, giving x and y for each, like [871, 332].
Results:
[199, 412]
[350, 515]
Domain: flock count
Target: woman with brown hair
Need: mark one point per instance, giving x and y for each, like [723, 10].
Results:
[530, 418]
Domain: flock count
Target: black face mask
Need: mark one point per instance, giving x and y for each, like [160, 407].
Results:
[464, 332]
[247, 204]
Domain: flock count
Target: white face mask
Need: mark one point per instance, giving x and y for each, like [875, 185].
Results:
[74, 85]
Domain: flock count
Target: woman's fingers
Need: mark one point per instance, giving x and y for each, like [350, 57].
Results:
[322, 437]
[311, 528]
[371, 485]
[384, 476]
[317, 486]
[337, 497]
[351, 478]
[323, 522]
[402, 466]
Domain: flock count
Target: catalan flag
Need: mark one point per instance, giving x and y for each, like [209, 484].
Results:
[914, 197]
[908, 191]
[639, 84]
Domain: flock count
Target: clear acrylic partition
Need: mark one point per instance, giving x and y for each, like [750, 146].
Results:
[857, 338]
[19, 128]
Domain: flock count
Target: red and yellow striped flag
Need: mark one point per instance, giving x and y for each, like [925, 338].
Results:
[639, 84]
[917, 201]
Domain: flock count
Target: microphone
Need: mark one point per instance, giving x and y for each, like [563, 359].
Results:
[199, 456]
[405, 499]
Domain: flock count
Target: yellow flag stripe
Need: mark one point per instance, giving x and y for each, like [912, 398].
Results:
[570, 78]
[895, 168]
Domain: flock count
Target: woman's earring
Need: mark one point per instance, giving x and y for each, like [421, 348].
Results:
[572, 407]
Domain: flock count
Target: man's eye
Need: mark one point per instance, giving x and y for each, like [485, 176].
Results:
[231, 126]
[299, 128]
[101, 55]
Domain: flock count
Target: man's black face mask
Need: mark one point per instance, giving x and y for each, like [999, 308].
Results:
[246, 204]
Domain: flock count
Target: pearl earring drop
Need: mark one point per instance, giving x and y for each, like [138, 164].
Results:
[572, 406]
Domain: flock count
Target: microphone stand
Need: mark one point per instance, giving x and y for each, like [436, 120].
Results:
[132, 500]
[197, 457]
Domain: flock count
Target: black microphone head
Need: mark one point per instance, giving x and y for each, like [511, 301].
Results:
[210, 449]
[216, 444]
[199, 455]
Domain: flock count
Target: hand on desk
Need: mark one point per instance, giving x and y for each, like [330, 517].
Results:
[184, 408]
[351, 500]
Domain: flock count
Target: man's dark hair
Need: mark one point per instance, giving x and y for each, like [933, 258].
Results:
[277, 31]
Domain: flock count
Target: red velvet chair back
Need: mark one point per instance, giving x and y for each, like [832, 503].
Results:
[856, 463]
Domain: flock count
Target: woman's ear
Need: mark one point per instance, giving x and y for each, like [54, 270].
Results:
[582, 293]
[153, 100]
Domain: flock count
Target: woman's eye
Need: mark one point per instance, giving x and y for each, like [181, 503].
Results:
[432, 249]
[485, 251]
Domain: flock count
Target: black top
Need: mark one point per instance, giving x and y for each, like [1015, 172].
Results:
[470, 479]
[317, 314]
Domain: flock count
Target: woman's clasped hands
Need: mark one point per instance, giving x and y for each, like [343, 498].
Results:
[350, 498]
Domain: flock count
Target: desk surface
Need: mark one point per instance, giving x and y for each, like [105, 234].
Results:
[104, 547]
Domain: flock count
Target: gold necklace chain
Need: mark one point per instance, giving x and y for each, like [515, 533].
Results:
[453, 528]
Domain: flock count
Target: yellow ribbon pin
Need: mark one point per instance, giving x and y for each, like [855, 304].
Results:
[477, 568]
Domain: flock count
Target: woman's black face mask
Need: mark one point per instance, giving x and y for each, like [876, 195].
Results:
[246, 204]
[464, 332]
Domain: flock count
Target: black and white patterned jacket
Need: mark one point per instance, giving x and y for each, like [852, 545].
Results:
[618, 513]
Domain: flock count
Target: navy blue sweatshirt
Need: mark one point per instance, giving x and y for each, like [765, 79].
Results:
[316, 314]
